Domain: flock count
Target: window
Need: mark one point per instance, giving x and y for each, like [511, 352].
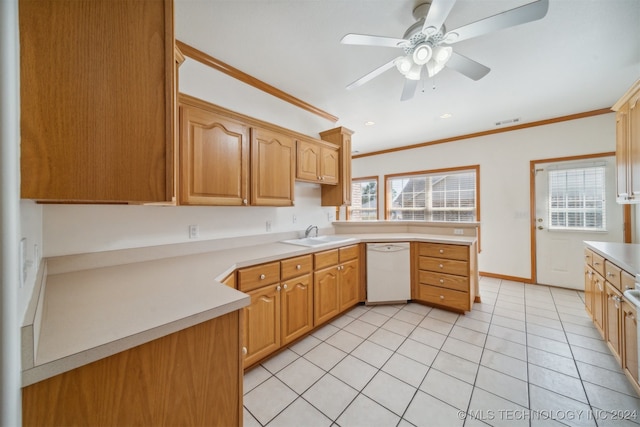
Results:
[577, 199]
[364, 199]
[444, 195]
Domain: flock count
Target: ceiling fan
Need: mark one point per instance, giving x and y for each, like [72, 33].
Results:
[427, 43]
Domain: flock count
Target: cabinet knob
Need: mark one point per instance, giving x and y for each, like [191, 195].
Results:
[278, 288]
[441, 280]
[298, 267]
[441, 266]
[245, 202]
[441, 251]
[244, 351]
[262, 277]
[284, 286]
[609, 274]
[441, 296]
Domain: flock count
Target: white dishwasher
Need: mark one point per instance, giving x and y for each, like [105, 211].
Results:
[388, 272]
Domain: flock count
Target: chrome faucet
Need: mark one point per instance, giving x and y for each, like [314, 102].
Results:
[309, 230]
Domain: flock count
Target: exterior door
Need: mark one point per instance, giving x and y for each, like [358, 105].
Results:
[574, 202]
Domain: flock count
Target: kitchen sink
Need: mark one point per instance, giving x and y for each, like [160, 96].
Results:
[312, 242]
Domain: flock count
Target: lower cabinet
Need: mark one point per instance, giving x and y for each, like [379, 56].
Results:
[446, 275]
[630, 340]
[190, 377]
[336, 282]
[614, 320]
[613, 316]
[262, 323]
[281, 310]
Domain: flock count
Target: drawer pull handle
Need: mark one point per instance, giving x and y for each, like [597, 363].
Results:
[262, 277]
[596, 263]
[609, 274]
[298, 267]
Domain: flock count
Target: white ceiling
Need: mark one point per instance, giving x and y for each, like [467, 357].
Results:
[582, 56]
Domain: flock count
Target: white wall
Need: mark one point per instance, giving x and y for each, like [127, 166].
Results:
[504, 179]
[73, 229]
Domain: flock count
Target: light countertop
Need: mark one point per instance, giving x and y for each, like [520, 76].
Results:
[86, 314]
[624, 255]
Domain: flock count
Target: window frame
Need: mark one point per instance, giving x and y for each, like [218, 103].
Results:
[388, 199]
[360, 179]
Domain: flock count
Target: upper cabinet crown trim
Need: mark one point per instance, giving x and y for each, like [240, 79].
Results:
[216, 64]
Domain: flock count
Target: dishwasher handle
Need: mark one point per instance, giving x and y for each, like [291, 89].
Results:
[388, 247]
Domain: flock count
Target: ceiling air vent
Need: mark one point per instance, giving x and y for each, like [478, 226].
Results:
[507, 122]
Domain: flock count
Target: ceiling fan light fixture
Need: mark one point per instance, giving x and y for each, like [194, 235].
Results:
[414, 72]
[422, 53]
[442, 54]
[404, 64]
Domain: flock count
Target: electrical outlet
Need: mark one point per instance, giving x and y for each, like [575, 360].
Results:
[458, 231]
[329, 216]
[294, 219]
[268, 225]
[194, 231]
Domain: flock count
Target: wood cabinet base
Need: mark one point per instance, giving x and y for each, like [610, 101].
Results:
[190, 378]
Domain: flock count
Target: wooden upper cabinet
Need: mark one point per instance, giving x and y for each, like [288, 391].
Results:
[214, 159]
[339, 194]
[97, 100]
[628, 146]
[273, 157]
[317, 162]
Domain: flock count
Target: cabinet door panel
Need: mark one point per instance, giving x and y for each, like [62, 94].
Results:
[588, 290]
[630, 329]
[613, 319]
[329, 165]
[272, 168]
[262, 324]
[96, 103]
[307, 161]
[349, 275]
[326, 303]
[297, 308]
[598, 303]
[214, 159]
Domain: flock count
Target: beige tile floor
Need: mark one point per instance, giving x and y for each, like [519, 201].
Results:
[527, 355]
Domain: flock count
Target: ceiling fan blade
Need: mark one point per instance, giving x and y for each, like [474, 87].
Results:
[520, 15]
[366, 40]
[375, 73]
[438, 12]
[409, 89]
[467, 67]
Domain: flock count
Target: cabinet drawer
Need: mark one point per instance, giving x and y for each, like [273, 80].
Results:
[255, 277]
[612, 274]
[449, 281]
[349, 252]
[598, 263]
[588, 257]
[439, 250]
[325, 259]
[445, 297]
[627, 281]
[294, 267]
[460, 268]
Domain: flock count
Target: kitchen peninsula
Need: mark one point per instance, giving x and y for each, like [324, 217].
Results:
[101, 311]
